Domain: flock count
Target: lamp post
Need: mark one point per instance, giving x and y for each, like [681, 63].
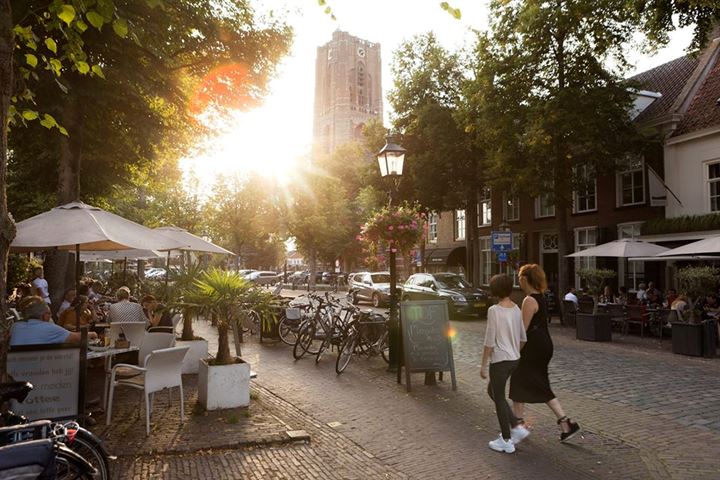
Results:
[391, 159]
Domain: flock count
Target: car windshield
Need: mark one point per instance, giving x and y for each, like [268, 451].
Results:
[451, 281]
[380, 278]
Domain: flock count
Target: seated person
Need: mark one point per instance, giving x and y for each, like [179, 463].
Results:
[607, 295]
[682, 307]
[710, 306]
[37, 329]
[149, 303]
[161, 320]
[670, 297]
[68, 298]
[125, 310]
[570, 295]
[96, 291]
[653, 299]
[622, 296]
[68, 319]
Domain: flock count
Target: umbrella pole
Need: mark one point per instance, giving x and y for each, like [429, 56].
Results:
[167, 273]
[125, 271]
[78, 307]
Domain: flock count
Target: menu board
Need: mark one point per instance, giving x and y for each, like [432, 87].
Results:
[426, 338]
[55, 373]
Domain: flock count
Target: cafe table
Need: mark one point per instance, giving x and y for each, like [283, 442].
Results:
[108, 354]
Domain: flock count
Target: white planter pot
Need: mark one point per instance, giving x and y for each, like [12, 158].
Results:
[198, 350]
[224, 386]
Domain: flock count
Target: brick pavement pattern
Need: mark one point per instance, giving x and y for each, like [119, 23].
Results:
[646, 414]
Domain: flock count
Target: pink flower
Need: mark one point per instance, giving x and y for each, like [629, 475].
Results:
[390, 228]
[393, 250]
[402, 227]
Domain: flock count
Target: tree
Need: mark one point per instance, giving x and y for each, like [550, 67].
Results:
[659, 17]
[545, 106]
[319, 217]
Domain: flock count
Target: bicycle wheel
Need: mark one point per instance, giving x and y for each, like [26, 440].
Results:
[72, 466]
[323, 346]
[307, 341]
[88, 446]
[347, 348]
[288, 330]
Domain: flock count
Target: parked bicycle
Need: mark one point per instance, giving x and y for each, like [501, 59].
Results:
[367, 334]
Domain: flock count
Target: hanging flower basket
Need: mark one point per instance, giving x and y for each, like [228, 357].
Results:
[396, 230]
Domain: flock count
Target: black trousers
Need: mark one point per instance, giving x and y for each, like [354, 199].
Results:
[499, 375]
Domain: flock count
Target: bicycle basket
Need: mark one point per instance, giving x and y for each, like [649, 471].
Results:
[292, 313]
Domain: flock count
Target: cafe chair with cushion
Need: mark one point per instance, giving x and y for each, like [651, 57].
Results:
[163, 370]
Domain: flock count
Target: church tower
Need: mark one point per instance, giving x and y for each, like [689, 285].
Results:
[348, 90]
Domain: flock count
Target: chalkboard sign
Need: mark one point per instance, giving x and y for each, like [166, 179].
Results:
[426, 338]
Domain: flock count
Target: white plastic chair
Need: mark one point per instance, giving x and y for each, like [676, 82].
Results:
[163, 370]
[176, 319]
[134, 332]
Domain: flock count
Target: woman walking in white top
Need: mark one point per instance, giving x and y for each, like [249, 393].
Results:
[504, 336]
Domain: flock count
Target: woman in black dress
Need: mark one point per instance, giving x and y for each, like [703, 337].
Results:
[530, 383]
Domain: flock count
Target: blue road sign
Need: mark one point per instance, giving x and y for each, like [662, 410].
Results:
[501, 241]
[502, 257]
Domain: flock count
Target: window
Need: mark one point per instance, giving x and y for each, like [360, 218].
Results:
[484, 208]
[586, 194]
[584, 238]
[714, 186]
[544, 207]
[433, 228]
[629, 271]
[459, 224]
[631, 185]
[511, 207]
[486, 260]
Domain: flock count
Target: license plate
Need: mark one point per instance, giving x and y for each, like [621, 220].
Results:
[479, 305]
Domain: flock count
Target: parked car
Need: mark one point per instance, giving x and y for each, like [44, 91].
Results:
[155, 273]
[263, 277]
[245, 272]
[373, 287]
[298, 277]
[461, 297]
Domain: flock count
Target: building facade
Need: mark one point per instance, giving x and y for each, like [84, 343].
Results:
[348, 90]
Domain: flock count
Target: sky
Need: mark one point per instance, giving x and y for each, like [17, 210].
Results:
[251, 141]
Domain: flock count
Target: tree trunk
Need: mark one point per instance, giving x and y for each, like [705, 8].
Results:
[187, 331]
[471, 233]
[7, 225]
[313, 269]
[223, 355]
[561, 207]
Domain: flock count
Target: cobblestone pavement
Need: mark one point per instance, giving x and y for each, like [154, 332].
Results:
[646, 414]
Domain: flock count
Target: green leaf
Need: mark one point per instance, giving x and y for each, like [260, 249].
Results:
[66, 13]
[29, 114]
[51, 45]
[321, 2]
[63, 131]
[31, 59]
[48, 121]
[95, 19]
[61, 86]
[81, 26]
[56, 66]
[328, 11]
[121, 27]
[98, 71]
[82, 67]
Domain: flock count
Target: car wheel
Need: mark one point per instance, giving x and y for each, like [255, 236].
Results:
[376, 300]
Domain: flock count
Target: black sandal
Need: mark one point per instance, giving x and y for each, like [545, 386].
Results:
[574, 429]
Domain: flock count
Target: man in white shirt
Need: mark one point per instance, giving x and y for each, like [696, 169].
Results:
[642, 292]
[40, 285]
[570, 295]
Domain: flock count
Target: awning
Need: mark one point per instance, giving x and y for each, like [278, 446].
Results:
[437, 256]
[672, 259]
[679, 237]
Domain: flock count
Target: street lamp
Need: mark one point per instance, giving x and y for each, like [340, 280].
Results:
[391, 159]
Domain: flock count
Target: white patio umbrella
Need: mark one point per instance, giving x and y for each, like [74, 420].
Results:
[78, 226]
[706, 246]
[623, 248]
[135, 254]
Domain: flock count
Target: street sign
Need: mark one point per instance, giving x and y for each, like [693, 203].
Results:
[502, 257]
[501, 241]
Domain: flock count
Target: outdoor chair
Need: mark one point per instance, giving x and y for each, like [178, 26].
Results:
[636, 314]
[569, 310]
[134, 332]
[664, 319]
[163, 370]
[152, 341]
[617, 315]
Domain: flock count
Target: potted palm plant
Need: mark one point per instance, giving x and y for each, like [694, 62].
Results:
[595, 326]
[689, 338]
[182, 284]
[224, 381]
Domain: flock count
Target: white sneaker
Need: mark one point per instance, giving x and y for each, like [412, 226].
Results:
[502, 445]
[518, 434]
